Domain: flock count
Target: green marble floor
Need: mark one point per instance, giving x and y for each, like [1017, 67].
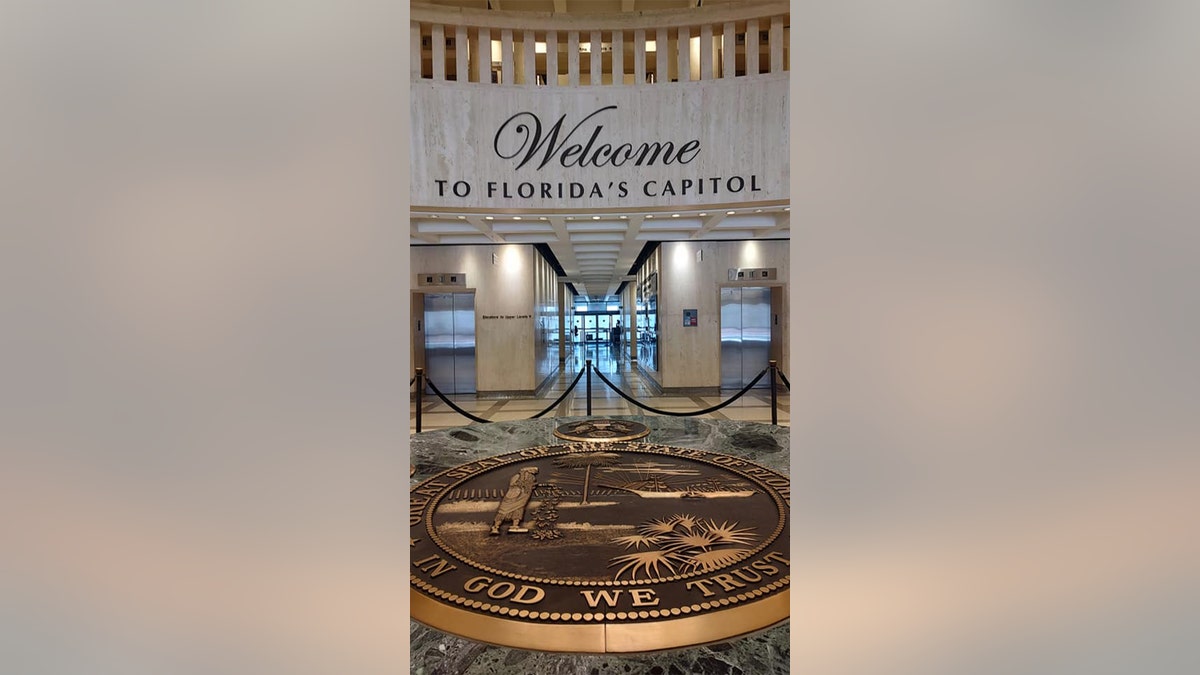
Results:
[434, 652]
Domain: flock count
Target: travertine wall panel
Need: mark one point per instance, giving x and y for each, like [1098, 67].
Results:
[504, 346]
[495, 146]
[691, 356]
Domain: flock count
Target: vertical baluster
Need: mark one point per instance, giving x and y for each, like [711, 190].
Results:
[461, 50]
[776, 44]
[597, 65]
[506, 56]
[729, 51]
[439, 52]
[414, 54]
[683, 44]
[618, 57]
[529, 57]
[483, 56]
[573, 58]
[552, 58]
[752, 47]
[662, 71]
[706, 52]
[519, 76]
[639, 56]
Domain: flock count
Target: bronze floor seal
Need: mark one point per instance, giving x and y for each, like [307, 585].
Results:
[626, 547]
[602, 431]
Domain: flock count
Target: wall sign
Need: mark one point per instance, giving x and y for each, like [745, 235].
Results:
[690, 317]
[706, 142]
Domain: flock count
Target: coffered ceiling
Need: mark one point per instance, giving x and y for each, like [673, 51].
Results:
[596, 250]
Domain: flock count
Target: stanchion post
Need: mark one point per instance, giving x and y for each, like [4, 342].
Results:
[774, 406]
[588, 366]
[420, 390]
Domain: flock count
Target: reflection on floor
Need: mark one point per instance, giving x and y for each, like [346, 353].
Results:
[755, 406]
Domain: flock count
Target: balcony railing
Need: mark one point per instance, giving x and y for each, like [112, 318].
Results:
[637, 48]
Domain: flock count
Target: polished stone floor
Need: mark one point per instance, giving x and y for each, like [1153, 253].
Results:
[755, 406]
[434, 652]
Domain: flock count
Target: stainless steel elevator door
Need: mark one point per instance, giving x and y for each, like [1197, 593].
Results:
[756, 333]
[464, 343]
[745, 335]
[731, 338]
[450, 341]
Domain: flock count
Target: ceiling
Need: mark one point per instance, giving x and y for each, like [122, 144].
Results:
[597, 250]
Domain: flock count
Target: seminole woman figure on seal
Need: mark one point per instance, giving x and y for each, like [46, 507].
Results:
[512, 507]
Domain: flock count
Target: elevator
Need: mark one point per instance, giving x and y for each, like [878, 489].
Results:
[445, 328]
[751, 333]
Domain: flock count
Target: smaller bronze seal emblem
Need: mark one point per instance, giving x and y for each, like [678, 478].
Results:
[602, 431]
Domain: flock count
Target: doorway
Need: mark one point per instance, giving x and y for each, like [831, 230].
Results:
[595, 335]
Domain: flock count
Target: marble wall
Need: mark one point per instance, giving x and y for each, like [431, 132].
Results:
[739, 126]
[691, 356]
[521, 347]
[508, 356]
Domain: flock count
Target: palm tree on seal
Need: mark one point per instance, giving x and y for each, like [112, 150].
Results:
[586, 460]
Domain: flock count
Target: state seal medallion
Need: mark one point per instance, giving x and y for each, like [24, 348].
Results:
[624, 547]
[602, 431]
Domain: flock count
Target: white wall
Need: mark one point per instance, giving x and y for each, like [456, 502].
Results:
[741, 125]
[504, 348]
[691, 356]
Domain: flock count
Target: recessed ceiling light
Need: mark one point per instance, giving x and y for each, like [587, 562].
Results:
[787, 208]
[758, 210]
[729, 213]
[624, 217]
[542, 218]
[516, 217]
[435, 215]
[462, 217]
[649, 215]
[595, 217]
[570, 217]
[674, 215]
[703, 214]
[488, 218]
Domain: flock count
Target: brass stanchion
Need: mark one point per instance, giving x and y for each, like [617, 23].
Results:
[420, 389]
[774, 404]
[588, 366]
